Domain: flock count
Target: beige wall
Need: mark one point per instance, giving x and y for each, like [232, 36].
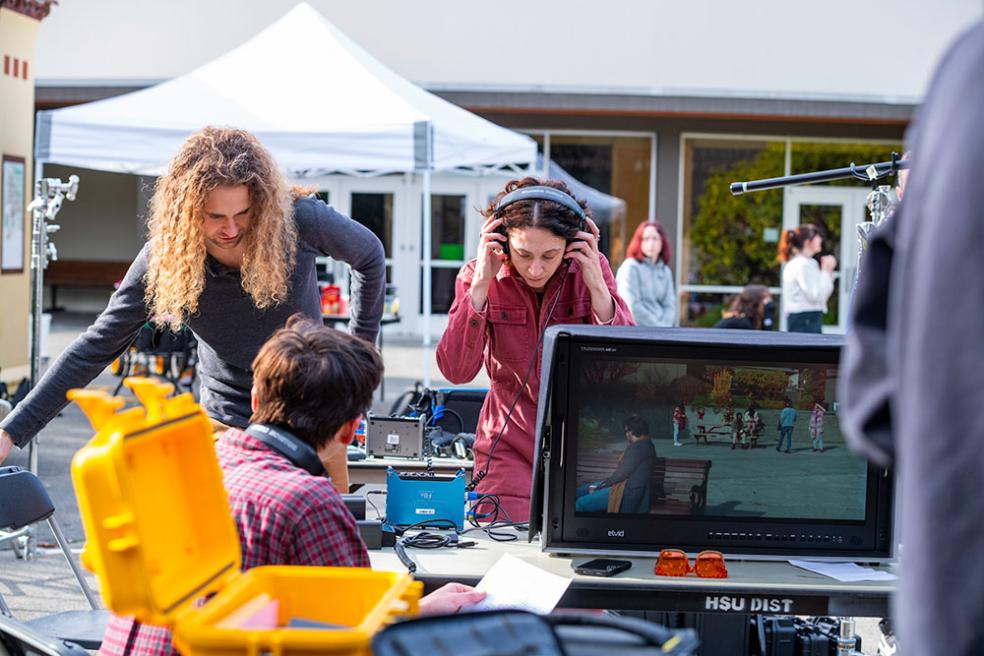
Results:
[18, 35]
[840, 48]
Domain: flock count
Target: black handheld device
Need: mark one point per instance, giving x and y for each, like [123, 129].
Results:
[602, 567]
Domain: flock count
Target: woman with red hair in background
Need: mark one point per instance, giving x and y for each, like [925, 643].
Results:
[645, 281]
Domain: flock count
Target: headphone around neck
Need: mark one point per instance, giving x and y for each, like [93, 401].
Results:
[290, 446]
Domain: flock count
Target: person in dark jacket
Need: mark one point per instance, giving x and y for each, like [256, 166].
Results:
[231, 255]
[628, 489]
[912, 372]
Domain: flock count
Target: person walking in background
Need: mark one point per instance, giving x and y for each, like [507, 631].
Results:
[753, 425]
[752, 309]
[737, 428]
[816, 427]
[645, 280]
[679, 423]
[787, 420]
[806, 285]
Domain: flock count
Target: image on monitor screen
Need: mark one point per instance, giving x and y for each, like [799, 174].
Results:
[724, 439]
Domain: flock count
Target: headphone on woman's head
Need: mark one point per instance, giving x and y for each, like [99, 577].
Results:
[539, 192]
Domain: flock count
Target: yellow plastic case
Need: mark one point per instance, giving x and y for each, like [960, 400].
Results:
[160, 538]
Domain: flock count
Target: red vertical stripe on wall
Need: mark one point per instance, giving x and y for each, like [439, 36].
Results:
[6, 64]
[16, 67]
[24, 70]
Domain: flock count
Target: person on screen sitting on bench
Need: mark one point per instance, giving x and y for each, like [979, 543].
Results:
[314, 383]
[628, 489]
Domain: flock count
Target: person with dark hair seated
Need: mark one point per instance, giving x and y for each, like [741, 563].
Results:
[752, 309]
[313, 384]
[628, 489]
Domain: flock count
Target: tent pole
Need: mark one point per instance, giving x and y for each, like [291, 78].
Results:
[426, 213]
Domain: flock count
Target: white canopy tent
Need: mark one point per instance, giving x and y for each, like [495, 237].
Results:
[316, 99]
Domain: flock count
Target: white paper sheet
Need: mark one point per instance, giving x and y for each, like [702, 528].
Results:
[513, 583]
[846, 572]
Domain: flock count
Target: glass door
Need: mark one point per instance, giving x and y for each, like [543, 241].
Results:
[455, 223]
[837, 211]
[378, 204]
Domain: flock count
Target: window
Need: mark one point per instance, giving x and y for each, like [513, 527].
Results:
[613, 172]
[448, 216]
[730, 241]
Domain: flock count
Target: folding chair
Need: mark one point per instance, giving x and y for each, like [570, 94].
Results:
[24, 502]
[18, 539]
[19, 639]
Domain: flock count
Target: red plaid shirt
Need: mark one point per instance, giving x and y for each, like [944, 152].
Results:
[285, 516]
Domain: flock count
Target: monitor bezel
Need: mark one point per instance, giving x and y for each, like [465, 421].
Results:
[554, 478]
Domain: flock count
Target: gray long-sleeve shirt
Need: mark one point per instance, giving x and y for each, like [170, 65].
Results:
[913, 368]
[229, 328]
[648, 291]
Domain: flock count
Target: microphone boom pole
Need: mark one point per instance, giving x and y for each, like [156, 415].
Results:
[865, 172]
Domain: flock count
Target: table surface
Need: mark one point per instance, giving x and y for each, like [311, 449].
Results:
[439, 464]
[770, 587]
[373, 470]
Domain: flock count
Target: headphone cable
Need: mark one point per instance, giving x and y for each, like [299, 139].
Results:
[529, 370]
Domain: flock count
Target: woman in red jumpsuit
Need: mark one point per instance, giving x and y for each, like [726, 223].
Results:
[538, 264]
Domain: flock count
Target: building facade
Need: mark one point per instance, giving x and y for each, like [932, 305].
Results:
[19, 23]
[657, 104]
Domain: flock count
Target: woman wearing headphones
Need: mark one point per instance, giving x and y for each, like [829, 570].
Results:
[538, 264]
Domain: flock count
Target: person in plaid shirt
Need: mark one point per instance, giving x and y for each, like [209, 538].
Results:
[316, 383]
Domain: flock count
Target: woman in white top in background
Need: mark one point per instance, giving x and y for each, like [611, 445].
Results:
[806, 285]
[645, 281]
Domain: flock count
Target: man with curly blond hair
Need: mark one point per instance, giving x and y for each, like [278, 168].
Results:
[231, 255]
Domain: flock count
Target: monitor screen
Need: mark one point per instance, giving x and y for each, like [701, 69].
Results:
[757, 440]
[700, 439]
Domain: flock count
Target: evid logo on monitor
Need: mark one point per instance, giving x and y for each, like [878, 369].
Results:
[620, 533]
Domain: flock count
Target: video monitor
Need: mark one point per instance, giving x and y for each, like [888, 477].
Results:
[702, 439]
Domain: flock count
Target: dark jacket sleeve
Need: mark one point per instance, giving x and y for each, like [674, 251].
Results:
[336, 236]
[935, 332]
[866, 387]
[90, 353]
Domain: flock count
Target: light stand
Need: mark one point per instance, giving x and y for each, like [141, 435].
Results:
[48, 196]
